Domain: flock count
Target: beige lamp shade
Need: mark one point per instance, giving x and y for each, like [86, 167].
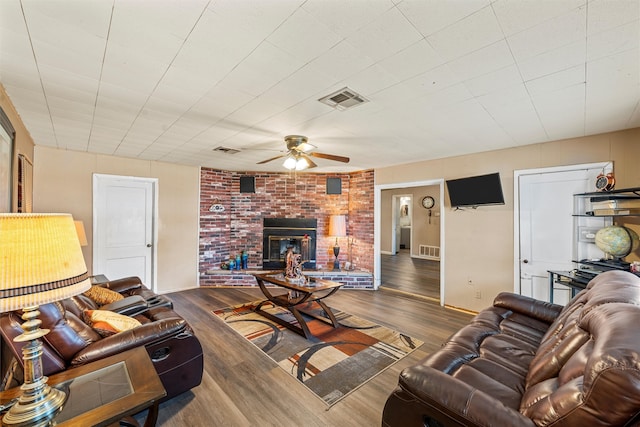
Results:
[40, 260]
[337, 226]
[82, 236]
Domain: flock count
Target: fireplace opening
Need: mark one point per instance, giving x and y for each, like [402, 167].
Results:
[279, 234]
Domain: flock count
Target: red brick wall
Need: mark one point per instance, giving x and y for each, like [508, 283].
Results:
[300, 195]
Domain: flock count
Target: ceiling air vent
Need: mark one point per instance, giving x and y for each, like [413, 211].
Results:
[343, 99]
[226, 150]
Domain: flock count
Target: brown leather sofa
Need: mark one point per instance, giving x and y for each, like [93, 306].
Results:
[524, 362]
[173, 348]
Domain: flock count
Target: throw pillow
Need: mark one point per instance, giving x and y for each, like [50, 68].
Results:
[103, 296]
[107, 323]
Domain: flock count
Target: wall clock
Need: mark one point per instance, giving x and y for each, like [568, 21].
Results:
[605, 182]
[428, 202]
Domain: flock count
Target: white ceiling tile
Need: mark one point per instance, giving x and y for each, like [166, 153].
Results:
[613, 91]
[303, 36]
[556, 81]
[489, 82]
[467, 35]
[371, 80]
[412, 61]
[432, 81]
[519, 15]
[553, 61]
[341, 62]
[482, 61]
[520, 120]
[255, 16]
[562, 112]
[263, 68]
[384, 37]
[431, 16]
[299, 86]
[504, 95]
[346, 17]
[550, 35]
[607, 14]
[220, 101]
[620, 39]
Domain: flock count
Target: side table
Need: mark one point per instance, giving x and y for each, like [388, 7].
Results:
[103, 392]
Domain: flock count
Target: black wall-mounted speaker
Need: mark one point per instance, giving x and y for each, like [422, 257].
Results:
[334, 185]
[247, 184]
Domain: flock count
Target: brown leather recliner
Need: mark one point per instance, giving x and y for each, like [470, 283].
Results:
[174, 350]
[524, 362]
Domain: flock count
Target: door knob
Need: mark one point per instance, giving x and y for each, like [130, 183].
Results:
[148, 245]
[526, 261]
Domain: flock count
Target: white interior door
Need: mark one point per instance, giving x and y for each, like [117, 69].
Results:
[123, 227]
[546, 227]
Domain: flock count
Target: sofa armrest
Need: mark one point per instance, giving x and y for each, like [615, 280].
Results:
[140, 336]
[450, 401]
[531, 307]
[128, 306]
[124, 285]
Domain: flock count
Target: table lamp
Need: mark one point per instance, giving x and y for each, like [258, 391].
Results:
[41, 262]
[337, 228]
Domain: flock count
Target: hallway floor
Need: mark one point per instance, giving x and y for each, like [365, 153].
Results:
[416, 276]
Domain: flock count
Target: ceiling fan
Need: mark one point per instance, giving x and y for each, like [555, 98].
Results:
[299, 152]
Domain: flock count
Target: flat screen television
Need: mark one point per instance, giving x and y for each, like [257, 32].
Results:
[475, 191]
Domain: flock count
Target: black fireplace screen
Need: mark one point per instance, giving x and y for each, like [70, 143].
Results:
[281, 233]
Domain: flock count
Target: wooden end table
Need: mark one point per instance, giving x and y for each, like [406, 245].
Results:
[309, 290]
[103, 392]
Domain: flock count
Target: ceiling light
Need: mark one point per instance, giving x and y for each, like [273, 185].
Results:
[290, 163]
[302, 164]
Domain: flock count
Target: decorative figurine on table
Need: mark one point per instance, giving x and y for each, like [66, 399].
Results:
[293, 269]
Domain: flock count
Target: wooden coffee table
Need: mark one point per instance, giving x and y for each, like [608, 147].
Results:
[299, 292]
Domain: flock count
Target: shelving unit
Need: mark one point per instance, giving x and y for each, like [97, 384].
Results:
[595, 210]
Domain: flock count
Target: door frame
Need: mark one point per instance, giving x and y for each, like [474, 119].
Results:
[606, 166]
[377, 219]
[154, 219]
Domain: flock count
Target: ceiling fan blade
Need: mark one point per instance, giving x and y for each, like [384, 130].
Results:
[329, 157]
[272, 159]
[309, 161]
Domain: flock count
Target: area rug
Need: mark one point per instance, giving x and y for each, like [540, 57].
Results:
[336, 361]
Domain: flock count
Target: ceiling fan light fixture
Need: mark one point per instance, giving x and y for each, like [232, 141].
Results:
[302, 164]
[290, 163]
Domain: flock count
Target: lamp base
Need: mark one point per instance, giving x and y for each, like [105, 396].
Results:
[35, 413]
[38, 403]
[336, 252]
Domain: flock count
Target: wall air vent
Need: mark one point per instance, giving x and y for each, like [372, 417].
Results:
[226, 150]
[343, 99]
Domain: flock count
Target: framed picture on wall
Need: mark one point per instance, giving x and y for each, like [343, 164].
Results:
[7, 136]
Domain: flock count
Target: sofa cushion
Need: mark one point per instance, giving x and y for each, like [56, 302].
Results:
[107, 323]
[63, 337]
[103, 296]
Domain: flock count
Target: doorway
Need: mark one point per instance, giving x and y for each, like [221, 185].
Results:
[544, 225]
[124, 227]
[403, 265]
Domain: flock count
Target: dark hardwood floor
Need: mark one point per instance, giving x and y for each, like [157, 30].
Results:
[402, 273]
[243, 387]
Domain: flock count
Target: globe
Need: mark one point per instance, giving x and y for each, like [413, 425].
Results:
[617, 241]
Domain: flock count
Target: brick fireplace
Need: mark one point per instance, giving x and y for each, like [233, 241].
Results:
[232, 222]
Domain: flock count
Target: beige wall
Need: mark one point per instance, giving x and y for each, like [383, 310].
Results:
[63, 182]
[23, 142]
[479, 243]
